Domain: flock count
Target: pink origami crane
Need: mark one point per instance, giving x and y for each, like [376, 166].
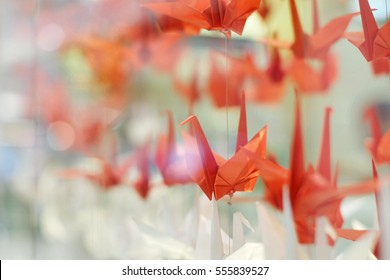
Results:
[373, 42]
[217, 176]
[222, 15]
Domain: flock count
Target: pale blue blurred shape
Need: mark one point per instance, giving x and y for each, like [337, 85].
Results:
[8, 163]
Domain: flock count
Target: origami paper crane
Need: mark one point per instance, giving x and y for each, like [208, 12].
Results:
[82, 128]
[54, 102]
[268, 85]
[313, 76]
[313, 191]
[106, 59]
[318, 44]
[222, 15]
[111, 175]
[373, 42]
[236, 74]
[216, 175]
[315, 46]
[378, 145]
[191, 90]
[169, 161]
[153, 38]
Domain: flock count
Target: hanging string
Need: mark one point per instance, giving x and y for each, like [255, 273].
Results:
[229, 203]
[227, 129]
[227, 96]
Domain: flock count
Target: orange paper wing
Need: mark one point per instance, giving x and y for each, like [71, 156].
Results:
[382, 42]
[182, 10]
[321, 41]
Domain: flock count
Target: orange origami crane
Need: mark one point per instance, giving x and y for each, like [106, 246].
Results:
[318, 44]
[268, 86]
[190, 91]
[152, 37]
[378, 145]
[107, 60]
[222, 15]
[236, 74]
[217, 176]
[313, 75]
[373, 43]
[168, 159]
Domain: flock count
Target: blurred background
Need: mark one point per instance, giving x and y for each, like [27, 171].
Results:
[85, 86]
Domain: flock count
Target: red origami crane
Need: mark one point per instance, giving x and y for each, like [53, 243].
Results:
[373, 43]
[222, 15]
[112, 175]
[313, 191]
[217, 176]
[108, 176]
[80, 129]
[169, 160]
[378, 145]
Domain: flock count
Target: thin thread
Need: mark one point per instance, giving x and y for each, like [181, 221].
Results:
[227, 97]
[229, 203]
[227, 132]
